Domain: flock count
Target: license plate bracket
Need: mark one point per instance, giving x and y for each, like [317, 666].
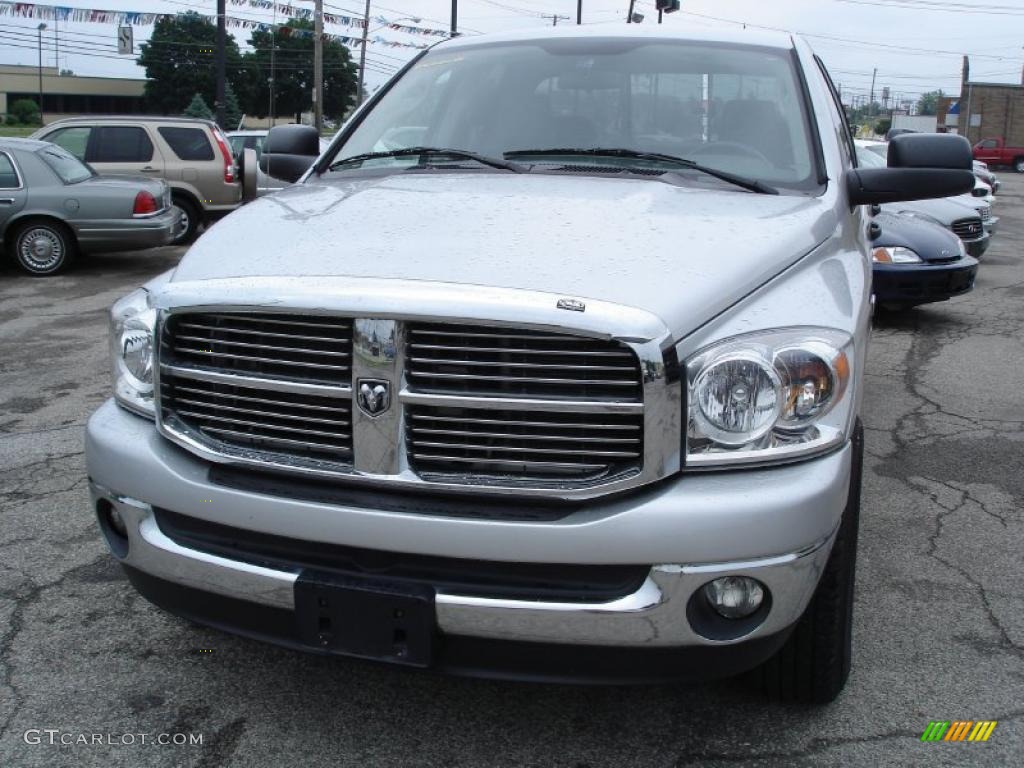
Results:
[368, 618]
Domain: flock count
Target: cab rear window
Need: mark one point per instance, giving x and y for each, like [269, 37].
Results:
[188, 143]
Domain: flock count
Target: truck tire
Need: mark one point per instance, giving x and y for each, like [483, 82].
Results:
[1018, 164]
[814, 664]
[43, 247]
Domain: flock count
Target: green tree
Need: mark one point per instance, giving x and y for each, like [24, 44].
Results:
[882, 126]
[180, 59]
[198, 108]
[293, 74]
[232, 110]
[24, 111]
[928, 104]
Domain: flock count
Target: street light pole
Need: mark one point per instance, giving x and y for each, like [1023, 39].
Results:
[455, 18]
[362, 54]
[218, 98]
[40, 29]
[318, 66]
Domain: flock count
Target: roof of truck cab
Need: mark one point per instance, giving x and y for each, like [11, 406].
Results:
[753, 37]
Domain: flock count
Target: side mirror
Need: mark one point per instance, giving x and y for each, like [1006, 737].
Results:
[921, 166]
[289, 151]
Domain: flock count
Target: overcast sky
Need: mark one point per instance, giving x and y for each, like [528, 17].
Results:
[915, 46]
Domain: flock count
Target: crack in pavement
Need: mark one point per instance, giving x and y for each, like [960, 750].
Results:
[22, 604]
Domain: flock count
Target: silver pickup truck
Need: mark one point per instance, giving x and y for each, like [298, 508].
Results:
[548, 367]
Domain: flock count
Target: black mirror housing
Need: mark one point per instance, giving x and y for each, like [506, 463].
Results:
[930, 150]
[289, 151]
[874, 186]
[921, 166]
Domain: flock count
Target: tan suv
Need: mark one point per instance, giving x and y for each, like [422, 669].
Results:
[191, 155]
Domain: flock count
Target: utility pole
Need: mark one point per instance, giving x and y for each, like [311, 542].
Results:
[554, 18]
[362, 53]
[221, 41]
[455, 18]
[56, 47]
[579, 11]
[40, 29]
[629, 16]
[318, 66]
[871, 102]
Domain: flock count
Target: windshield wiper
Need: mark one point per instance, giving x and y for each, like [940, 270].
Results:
[740, 181]
[494, 162]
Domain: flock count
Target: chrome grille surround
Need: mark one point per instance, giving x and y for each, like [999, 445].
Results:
[968, 229]
[657, 408]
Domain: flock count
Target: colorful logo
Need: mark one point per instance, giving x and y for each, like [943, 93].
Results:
[959, 730]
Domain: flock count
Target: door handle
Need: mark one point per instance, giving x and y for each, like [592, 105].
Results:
[6, 201]
[149, 169]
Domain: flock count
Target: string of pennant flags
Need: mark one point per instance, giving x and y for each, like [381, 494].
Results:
[145, 19]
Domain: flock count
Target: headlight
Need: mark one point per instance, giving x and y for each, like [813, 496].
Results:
[772, 396]
[897, 255]
[132, 324]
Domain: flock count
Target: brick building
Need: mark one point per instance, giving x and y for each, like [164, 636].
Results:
[987, 110]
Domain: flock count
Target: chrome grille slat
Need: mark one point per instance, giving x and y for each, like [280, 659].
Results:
[305, 322]
[523, 351]
[270, 347]
[496, 334]
[498, 363]
[342, 449]
[513, 449]
[253, 359]
[513, 463]
[261, 424]
[555, 438]
[266, 414]
[247, 399]
[250, 332]
[531, 379]
[520, 423]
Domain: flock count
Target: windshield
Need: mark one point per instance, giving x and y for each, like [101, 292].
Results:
[68, 167]
[735, 109]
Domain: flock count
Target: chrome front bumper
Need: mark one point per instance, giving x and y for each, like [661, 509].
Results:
[774, 524]
[653, 616]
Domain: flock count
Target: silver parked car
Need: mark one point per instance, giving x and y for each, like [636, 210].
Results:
[52, 206]
[549, 367]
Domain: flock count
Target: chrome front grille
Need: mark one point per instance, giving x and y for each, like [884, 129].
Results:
[533, 443]
[968, 229]
[449, 405]
[475, 360]
[259, 419]
[309, 348]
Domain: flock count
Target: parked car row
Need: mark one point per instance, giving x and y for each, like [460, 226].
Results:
[53, 206]
[927, 250]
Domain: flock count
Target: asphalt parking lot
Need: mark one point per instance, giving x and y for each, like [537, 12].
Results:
[940, 614]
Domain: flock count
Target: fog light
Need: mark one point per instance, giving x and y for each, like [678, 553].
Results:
[734, 597]
[117, 522]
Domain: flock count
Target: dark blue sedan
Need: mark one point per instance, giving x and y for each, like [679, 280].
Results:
[918, 262]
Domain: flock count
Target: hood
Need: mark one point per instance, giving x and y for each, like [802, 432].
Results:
[945, 210]
[682, 253]
[931, 242]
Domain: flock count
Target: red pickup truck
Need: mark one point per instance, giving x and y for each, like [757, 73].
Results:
[995, 152]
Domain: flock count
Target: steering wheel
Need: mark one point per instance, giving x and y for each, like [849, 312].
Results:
[729, 147]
